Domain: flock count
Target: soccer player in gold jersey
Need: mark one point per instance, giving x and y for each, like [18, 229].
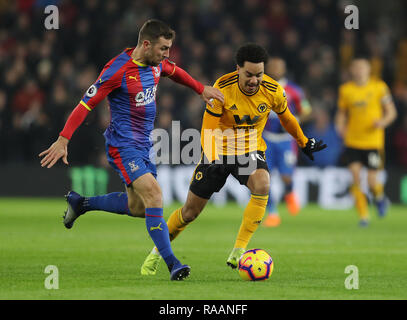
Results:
[365, 109]
[232, 143]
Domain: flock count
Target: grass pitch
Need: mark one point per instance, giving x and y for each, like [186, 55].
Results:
[100, 257]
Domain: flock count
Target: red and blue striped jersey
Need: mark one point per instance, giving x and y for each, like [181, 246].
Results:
[131, 91]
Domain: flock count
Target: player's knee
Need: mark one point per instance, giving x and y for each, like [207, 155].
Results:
[260, 184]
[154, 200]
[152, 196]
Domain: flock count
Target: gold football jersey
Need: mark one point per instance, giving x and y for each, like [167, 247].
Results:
[243, 116]
[363, 105]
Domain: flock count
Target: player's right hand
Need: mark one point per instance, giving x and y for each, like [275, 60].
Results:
[313, 146]
[59, 149]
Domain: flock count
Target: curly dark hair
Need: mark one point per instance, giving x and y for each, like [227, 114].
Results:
[251, 52]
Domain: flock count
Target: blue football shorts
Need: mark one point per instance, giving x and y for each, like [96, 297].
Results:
[282, 155]
[130, 162]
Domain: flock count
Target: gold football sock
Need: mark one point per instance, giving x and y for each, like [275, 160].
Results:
[252, 216]
[176, 224]
[378, 191]
[360, 201]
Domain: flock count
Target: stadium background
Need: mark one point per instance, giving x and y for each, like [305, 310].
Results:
[44, 73]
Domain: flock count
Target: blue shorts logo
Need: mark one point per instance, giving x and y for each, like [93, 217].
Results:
[133, 166]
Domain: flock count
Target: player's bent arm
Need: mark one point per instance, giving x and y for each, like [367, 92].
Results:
[389, 114]
[290, 124]
[210, 123]
[340, 121]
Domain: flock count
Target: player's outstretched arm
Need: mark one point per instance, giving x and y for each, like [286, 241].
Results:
[96, 93]
[308, 146]
[180, 76]
[209, 93]
[291, 125]
[58, 150]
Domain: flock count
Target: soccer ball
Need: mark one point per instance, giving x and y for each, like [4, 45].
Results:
[255, 265]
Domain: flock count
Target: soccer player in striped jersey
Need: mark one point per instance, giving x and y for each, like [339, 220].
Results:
[232, 143]
[130, 82]
[365, 109]
[281, 142]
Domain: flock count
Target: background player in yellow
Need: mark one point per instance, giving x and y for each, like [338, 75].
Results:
[365, 109]
[232, 143]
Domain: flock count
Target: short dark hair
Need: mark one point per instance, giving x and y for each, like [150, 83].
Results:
[153, 29]
[251, 52]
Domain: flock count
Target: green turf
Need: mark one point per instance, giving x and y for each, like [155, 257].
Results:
[100, 257]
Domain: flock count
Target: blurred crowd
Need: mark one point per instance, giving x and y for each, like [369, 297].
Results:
[44, 73]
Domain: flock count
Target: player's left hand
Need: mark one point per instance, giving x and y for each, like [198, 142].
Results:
[313, 146]
[209, 93]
